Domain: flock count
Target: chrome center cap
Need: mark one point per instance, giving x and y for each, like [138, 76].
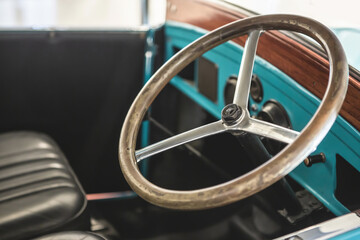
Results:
[230, 114]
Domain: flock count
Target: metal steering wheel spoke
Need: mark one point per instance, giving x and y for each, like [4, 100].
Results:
[268, 130]
[182, 138]
[243, 83]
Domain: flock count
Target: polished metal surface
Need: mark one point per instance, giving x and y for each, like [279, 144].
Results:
[328, 229]
[273, 170]
[245, 123]
[197, 133]
[241, 96]
[266, 129]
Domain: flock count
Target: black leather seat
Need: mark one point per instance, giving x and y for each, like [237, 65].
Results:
[39, 192]
[72, 236]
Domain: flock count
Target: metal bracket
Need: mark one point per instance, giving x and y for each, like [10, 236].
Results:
[309, 204]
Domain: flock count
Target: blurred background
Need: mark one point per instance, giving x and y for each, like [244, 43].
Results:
[340, 16]
[78, 13]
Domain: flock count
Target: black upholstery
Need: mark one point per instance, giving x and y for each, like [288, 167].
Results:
[38, 190]
[72, 236]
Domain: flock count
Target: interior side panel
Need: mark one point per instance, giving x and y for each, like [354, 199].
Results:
[76, 87]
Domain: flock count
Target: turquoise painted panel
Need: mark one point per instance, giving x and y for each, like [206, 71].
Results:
[300, 104]
[150, 51]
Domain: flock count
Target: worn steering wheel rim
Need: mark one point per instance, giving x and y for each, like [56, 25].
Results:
[269, 172]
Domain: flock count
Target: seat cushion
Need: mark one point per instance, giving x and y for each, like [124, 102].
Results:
[38, 190]
[72, 236]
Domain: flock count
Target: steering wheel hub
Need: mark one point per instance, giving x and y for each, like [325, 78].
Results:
[231, 113]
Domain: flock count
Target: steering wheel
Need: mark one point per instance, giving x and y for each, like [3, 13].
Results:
[235, 116]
